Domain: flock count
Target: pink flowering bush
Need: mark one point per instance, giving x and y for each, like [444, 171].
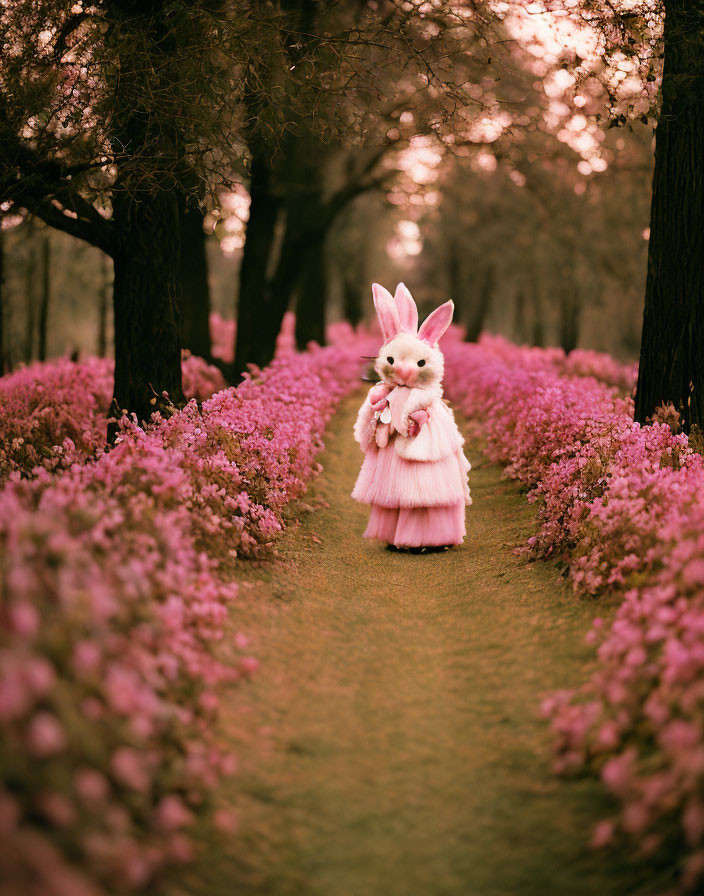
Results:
[200, 379]
[55, 413]
[579, 362]
[115, 582]
[107, 678]
[222, 337]
[585, 362]
[623, 506]
[249, 451]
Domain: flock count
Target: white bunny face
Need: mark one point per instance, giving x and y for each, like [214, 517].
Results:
[409, 357]
[406, 361]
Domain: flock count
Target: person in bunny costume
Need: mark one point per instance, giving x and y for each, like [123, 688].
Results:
[414, 473]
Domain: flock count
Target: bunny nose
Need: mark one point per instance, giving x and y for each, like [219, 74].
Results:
[404, 371]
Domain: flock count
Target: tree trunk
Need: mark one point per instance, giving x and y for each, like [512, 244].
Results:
[519, 317]
[480, 308]
[312, 298]
[104, 298]
[352, 299]
[195, 291]
[454, 276]
[289, 268]
[274, 294]
[306, 227]
[45, 299]
[570, 308]
[3, 366]
[264, 299]
[538, 321]
[253, 344]
[672, 345]
[146, 302]
[30, 271]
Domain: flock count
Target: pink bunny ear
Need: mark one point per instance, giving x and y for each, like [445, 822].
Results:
[407, 311]
[386, 312]
[436, 323]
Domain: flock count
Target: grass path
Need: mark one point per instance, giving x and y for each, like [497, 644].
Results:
[390, 742]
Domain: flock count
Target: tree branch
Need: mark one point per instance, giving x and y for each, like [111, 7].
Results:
[94, 230]
[44, 188]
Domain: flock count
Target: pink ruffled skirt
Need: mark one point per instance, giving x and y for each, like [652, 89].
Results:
[417, 526]
[391, 481]
[414, 503]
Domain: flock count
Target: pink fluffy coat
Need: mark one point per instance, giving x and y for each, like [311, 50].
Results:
[416, 484]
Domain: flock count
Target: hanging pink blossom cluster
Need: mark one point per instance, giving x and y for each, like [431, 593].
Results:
[623, 505]
[116, 578]
[54, 413]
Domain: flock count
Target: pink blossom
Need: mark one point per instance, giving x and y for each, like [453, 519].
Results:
[57, 809]
[15, 695]
[23, 618]
[603, 834]
[693, 822]
[171, 813]
[180, 849]
[248, 665]
[129, 768]
[225, 820]
[86, 656]
[91, 785]
[693, 572]
[40, 676]
[45, 735]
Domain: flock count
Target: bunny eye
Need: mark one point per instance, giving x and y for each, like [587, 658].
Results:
[390, 359]
[421, 363]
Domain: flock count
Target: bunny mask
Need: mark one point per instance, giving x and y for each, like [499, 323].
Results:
[409, 356]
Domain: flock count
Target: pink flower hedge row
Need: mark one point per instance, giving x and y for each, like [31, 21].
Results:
[223, 331]
[623, 505]
[579, 362]
[115, 580]
[53, 414]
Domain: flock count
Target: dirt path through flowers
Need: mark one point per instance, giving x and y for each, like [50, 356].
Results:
[390, 742]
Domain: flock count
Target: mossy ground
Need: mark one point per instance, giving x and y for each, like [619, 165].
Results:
[391, 742]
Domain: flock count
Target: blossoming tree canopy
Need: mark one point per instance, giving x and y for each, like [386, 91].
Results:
[636, 47]
[462, 87]
[97, 148]
[525, 172]
[396, 64]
